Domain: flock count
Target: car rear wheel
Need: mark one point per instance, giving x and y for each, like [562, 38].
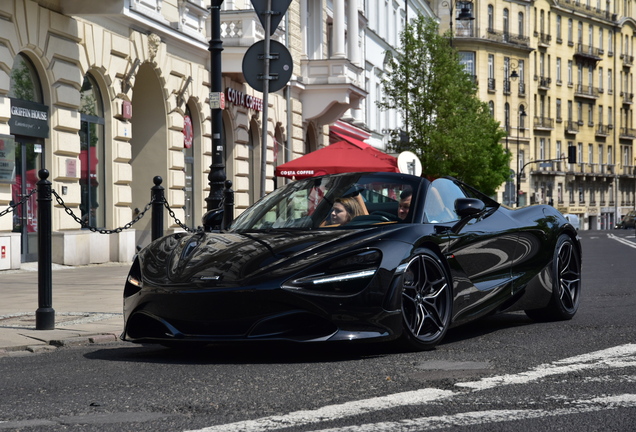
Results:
[566, 287]
[426, 302]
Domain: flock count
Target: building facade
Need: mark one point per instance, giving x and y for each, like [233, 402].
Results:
[557, 74]
[107, 96]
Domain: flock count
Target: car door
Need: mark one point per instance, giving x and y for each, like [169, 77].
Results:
[480, 254]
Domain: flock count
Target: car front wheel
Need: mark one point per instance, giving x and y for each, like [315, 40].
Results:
[426, 301]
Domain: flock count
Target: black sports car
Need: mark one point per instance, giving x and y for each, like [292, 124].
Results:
[284, 271]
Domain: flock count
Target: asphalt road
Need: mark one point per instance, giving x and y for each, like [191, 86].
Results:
[502, 373]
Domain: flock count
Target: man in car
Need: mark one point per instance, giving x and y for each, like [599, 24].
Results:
[404, 204]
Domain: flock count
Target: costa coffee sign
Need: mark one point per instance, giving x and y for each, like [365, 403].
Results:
[239, 98]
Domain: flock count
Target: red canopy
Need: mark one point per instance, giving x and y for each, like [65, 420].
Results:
[347, 155]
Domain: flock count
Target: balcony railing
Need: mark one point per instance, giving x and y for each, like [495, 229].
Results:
[543, 123]
[602, 130]
[571, 127]
[506, 37]
[586, 91]
[588, 9]
[628, 98]
[544, 82]
[242, 28]
[544, 39]
[628, 133]
[628, 60]
[587, 52]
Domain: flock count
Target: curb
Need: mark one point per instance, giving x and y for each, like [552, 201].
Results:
[53, 344]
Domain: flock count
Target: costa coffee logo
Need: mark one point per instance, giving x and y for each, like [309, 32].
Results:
[239, 98]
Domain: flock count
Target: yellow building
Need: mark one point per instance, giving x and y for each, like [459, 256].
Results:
[568, 66]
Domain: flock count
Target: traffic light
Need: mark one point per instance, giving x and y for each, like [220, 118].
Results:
[571, 154]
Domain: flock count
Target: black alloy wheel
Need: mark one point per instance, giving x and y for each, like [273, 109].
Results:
[426, 302]
[566, 286]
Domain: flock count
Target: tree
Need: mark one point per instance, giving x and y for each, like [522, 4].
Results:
[448, 126]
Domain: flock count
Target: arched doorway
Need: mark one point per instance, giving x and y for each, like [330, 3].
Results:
[149, 145]
[29, 132]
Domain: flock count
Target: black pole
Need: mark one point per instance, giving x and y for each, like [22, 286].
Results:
[44, 315]
[216, 178]
[157, 197]
[228, 205]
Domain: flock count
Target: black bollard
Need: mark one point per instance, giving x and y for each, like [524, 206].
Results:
[44, 315]
[228, 205]
[157, 198]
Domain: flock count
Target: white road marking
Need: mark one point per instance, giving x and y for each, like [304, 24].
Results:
[616, 357]
[622, 240]
[620, 356]
[493, 416]
[329, 412]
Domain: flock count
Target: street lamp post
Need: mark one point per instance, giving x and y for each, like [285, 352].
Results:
[510, 187]
[465, 14]
[216, 178]
[507, 89]
[522, 114]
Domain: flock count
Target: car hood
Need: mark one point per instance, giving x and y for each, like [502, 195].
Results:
[230, 259]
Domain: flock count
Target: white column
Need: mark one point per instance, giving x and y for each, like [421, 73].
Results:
[353, 32]
[303, 28]
[338, 38]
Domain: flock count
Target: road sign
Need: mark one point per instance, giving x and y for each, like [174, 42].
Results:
[279, 7]
[280, 66]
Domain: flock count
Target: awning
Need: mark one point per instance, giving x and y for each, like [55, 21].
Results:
[347, 155]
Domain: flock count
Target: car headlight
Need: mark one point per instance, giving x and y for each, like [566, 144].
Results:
[134, 282]
[342, 276]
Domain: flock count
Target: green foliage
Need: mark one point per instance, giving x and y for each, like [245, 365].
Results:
[449, 127]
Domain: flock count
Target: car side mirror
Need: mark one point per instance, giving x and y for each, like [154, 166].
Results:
[467, 209]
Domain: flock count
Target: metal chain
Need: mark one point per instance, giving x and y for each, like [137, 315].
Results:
[178, 222]
[24, 199]
[69, 211]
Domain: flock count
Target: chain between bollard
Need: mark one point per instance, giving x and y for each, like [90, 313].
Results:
[141, 214]
[24, 199]
[176, 219]
[70, 212]
[83, 224]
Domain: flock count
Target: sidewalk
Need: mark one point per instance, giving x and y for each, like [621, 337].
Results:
[87, 301]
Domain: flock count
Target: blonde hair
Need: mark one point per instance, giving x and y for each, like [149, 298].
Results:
[352, 206]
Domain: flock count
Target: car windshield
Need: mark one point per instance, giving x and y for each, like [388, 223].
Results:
[332, 202]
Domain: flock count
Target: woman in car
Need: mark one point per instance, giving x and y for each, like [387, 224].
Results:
[345, 209]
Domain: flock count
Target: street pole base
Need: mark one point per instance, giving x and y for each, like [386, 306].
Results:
[45, 319]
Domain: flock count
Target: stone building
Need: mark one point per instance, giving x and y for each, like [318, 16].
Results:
[557, 74]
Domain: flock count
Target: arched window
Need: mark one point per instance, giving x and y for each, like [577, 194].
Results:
[25, 84]
[491, 18]
[506, 24]
[92, 151]
[521, 27]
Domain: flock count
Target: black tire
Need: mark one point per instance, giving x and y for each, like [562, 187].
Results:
[427, 302]
[566, 285]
